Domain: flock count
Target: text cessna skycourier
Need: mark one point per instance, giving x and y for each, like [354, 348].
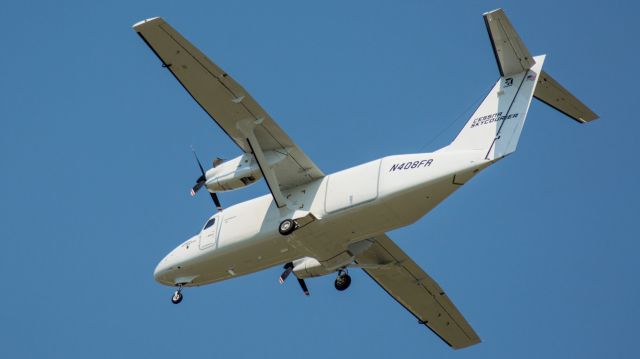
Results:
[316, 224]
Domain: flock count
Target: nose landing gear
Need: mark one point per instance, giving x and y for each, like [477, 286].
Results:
[177, 295]
[343, 280]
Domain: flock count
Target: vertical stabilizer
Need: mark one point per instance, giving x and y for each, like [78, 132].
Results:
[496, 125]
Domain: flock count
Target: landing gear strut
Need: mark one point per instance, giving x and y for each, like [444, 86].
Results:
[177, 295]
[287, 227]
[343, 280]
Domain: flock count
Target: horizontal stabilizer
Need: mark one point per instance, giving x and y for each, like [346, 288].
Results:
[553, 94]
[511, 54]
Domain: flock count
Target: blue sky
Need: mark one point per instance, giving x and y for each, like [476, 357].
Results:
[540, 252]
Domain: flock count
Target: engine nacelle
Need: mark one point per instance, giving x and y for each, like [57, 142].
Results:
[239, 172]
[308, 267]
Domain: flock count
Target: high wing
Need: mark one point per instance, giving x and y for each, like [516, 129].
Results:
[408, 284]
[230, 106]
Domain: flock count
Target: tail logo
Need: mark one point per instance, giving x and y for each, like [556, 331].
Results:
[494, 117]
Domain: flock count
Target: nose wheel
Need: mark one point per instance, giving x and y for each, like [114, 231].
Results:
[177, 296]
[343, 281]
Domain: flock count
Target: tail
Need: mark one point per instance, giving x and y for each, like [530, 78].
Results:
[496, 125]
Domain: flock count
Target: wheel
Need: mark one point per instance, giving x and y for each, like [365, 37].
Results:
[342, 282]
[177, 297]
[287, 227]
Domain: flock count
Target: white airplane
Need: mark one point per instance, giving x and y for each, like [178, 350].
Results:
[317, 224]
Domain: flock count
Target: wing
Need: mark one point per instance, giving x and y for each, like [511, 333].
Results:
[227, 103]
[408, 284]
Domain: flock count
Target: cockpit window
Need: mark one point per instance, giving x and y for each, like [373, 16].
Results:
[209, 223]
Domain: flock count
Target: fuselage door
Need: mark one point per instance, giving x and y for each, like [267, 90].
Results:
[352, 186]
[210, 232]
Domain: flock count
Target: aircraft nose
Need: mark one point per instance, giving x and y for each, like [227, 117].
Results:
[159, 274]
[174, 267]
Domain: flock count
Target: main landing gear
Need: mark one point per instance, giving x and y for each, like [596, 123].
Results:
[343, 281]
[177, 295]
[287, 227]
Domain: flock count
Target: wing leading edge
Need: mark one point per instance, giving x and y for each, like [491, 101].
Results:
[415, 290]
[226, 102]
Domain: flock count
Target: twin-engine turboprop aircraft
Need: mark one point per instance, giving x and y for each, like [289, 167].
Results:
[317, 224]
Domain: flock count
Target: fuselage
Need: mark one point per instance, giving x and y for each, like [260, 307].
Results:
[345, 207]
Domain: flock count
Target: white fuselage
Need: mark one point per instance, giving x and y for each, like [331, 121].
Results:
[346, 207]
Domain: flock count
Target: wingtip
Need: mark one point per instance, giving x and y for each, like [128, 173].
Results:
[493, 11]
[466, 345]
[142, 22]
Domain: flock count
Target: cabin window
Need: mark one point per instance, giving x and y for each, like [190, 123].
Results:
[209, 223]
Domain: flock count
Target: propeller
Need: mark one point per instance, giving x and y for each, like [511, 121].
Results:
[203, 179]
[303, 285]
[288, 268]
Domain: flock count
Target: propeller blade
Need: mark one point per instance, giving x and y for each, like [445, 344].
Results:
[198, 160]
[202, 180]
[216, 201]
[287, 270]
[199, 183]
[303, 285]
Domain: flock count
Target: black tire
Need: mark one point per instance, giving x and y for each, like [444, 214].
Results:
[287, 227]
[342, 282]
[176, 298]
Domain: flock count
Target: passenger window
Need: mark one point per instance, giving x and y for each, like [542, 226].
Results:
[209, 223]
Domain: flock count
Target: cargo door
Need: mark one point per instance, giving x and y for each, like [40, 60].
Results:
[352, 187]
